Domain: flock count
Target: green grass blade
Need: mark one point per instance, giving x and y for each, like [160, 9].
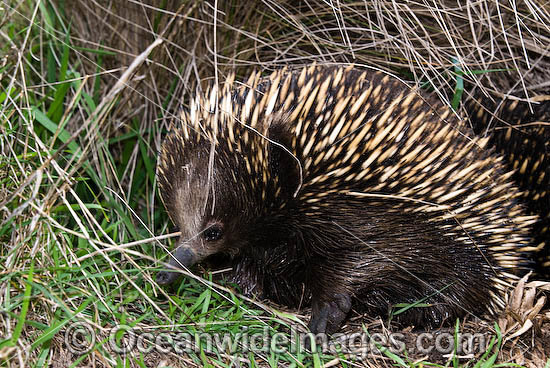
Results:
[57, 326]
[24, 309]
[45, 121]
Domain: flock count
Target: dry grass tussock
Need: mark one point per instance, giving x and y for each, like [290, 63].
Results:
[424, 41]
[87, 88]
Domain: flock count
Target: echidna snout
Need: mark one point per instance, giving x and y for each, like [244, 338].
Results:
[182, 257]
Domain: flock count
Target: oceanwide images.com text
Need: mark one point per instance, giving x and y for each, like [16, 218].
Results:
[81, 338]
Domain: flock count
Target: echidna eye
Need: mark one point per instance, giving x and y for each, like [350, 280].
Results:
[214, 232]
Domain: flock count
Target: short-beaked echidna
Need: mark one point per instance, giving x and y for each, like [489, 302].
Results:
[340, 187]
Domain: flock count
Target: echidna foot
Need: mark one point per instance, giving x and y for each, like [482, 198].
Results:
[328, 316]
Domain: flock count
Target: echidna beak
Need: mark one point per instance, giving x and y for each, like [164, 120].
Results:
[182, 257]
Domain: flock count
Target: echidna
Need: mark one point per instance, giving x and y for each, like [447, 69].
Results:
[343, 187]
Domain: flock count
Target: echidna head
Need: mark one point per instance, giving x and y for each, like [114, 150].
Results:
[200, 204]
[222, 195]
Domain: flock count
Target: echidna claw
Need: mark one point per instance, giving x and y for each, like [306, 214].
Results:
[328, 316]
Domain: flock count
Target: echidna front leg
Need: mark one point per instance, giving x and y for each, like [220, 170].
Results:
[246, 275]
[328, 314]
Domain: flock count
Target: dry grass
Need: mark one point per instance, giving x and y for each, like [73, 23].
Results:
[86, 91]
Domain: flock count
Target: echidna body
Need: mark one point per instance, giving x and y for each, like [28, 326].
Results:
[342, 187]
